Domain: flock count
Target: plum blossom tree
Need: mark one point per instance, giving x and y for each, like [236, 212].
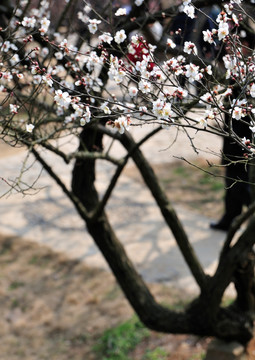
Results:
[56, 75]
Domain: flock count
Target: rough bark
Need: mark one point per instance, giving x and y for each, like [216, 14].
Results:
[244, 284]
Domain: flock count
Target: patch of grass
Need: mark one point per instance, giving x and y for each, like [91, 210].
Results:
[16, 284]
[115, 343]
[227, 301]
[156, 354]
[181, 171]
[41, 261]
[200, 356]
[15, 303]
[211, 182]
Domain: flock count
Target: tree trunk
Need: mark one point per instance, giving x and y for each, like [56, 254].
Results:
[201, 317]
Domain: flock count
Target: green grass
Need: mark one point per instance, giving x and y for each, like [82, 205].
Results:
[211, 181]
[41, 261]
[156, 354]
[181, 171]
[227, 301]
[115, 343]
[16, 284]
[200, 356]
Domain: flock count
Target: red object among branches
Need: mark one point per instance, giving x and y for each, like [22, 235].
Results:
[138, 51]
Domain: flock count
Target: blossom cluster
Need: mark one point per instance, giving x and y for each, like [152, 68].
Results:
[67, 77]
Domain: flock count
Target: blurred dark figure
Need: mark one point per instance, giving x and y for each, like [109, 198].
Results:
[237, 193]
[184, 28]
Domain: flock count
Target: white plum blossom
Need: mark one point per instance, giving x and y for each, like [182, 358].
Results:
[144, 86]
[230, 63]
[208, 69]
[158, 74]
[252, 128]
[207, 97]
[47, 79]
[167, 111]
[59, 55]
[189, 11]
[87, 8]
[203, 122]
[29, 128]
[120, 36]
[174, 65]
[83, 17]
[143, 110]
[208, 36]
[45, 51]
[158, 108]
[57, 70]
[62, 99]
[235, 19]
[190, 48]
[180, 93]
[192, 72]
[105, 108]
[5, 46]
[132, 91]
[209, 115]
[239, 102]
[45, 23]
[78, 110]
[135, 40]
[29, 22]
[93, 25]
[229, 8]
[223, 30]
[186, 2]
[106, 37]
[170, 43]
[122, 124]
[64, 43]
[86, 116]
[138, 2]
[252, 90]
[227, 92]
[37, 79]
[245, 141]
[91, 60]
[6, 77]
[14, 59]
[222, 17]
[237, 112]
[14, 108]
[121, 11]
[116, 71]
[20, 76]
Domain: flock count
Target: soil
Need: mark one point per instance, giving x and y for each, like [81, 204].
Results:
[56, 308]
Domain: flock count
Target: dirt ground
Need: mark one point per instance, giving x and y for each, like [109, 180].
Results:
[55, 308]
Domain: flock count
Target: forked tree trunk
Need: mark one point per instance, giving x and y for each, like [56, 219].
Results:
[203, 317]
